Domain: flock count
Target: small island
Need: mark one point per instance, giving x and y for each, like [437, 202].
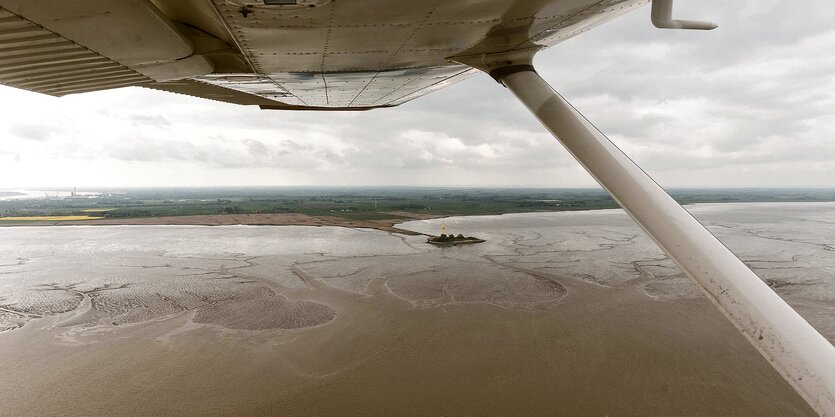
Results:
[460, 239]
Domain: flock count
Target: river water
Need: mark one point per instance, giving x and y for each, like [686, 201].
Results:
[574, 313]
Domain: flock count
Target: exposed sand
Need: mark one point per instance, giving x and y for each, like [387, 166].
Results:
[283, 219]
[577, 315]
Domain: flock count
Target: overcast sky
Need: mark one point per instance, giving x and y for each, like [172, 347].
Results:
[749, 104]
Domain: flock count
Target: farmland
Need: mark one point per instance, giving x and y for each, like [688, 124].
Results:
[354, 204]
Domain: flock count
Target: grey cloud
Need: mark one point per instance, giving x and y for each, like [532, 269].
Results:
[149, 120]
[13, 155]
[227, 153]
[36, 132]
[256, 147]
[147, 150]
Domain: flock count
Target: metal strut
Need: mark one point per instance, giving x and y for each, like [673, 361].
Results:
[793, 347]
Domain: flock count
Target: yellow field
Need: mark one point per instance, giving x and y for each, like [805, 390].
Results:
[47, 218]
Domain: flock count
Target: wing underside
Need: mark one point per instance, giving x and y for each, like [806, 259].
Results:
[277, 54]
[35, 59]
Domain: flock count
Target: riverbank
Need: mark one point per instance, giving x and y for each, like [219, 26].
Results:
[283, 219]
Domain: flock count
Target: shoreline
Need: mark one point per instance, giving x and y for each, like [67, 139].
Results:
[282, 219]
[299, 219]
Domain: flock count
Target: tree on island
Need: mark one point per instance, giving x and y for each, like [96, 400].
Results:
[453, 239]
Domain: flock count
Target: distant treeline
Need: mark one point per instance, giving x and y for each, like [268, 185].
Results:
[370, 203]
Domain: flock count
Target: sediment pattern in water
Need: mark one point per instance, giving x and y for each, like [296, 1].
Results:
[557, 313]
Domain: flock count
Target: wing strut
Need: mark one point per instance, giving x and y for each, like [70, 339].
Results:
[793, 347]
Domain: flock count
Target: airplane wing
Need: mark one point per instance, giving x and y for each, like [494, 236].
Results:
[277, 54]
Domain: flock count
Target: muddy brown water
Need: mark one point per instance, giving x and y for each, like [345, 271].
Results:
[554, 315]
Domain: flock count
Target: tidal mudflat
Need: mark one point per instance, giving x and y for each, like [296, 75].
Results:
[574, 313]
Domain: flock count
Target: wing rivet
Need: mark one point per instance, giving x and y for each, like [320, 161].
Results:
[245, 10]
